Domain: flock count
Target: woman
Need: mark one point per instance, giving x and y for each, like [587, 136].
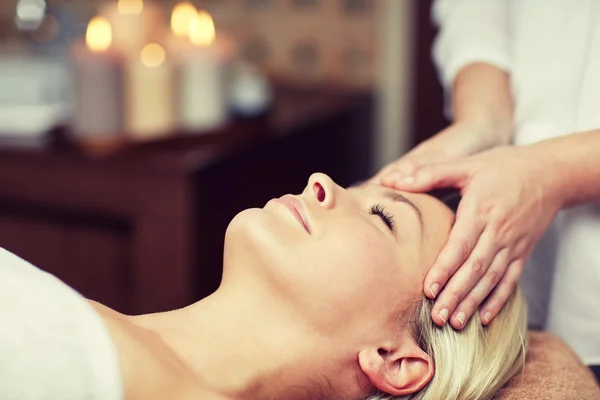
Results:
[522, 72]
[320, 299]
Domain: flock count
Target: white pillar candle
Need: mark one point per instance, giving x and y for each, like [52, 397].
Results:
[98, 86]
[149, 94]
[135, 23]
[203, 76]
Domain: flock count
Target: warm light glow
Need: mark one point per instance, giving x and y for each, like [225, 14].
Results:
[131, 6]
[202, 29]
[183, 14]
[98, 36]
[153, 55]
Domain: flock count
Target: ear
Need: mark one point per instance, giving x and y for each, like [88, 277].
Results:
[397, 369]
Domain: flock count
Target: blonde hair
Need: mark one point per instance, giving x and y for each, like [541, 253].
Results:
[475, 362]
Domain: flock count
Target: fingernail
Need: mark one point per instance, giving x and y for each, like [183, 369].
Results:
[408, 179]
[433, 289]
[486, 317]
[461, 318]
[443, 315]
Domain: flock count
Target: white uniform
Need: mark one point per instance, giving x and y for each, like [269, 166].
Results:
[53, 345]
[551, 48]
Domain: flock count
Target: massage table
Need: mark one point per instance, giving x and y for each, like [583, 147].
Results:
[552, 371]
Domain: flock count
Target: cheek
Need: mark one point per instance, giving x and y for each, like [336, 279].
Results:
[359, 261]
[348, 275]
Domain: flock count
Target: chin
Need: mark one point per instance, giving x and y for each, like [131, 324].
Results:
[255, 239]
[251, 231]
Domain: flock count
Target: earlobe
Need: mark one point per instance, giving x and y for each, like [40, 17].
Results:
[401, 371]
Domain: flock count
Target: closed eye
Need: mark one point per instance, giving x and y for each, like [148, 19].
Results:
[386, 217]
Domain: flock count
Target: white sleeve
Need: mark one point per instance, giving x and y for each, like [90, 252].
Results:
[53, 345]
[470, 31]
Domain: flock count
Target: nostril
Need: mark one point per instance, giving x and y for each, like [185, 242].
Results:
[319, 192]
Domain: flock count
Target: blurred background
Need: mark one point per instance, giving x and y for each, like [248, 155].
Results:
[132, 131]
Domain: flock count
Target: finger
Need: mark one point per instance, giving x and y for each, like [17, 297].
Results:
[409, 166]
[456, 251]
[482, 289]
[465, 279]
[390, 179]
[403, 168]
[429, 177]
[496, 300]
[461, 241]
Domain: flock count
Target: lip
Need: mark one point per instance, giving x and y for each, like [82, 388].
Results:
[297, 207]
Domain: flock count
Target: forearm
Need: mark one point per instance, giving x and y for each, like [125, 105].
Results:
[573, 167]
[481, 94]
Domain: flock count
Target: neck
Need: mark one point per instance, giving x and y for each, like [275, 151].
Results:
[244, 346]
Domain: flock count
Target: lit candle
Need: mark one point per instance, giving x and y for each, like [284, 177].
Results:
[149, 94]
[182, 16]
[98, 82]
[204, 63]
[134, 22]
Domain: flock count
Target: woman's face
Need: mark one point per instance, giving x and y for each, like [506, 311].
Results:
[345, 260]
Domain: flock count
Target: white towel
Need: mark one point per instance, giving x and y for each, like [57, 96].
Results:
[53, 344]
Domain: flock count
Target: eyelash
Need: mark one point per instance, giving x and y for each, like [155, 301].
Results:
[387, 218]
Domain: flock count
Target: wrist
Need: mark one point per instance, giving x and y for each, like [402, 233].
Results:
[485, 129]
[482, 96]
[551, 173]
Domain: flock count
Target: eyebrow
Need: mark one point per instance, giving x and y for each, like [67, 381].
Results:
[396, 197]
[399, 198]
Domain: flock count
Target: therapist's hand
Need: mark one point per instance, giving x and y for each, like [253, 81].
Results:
[507, 203]
[460, 139]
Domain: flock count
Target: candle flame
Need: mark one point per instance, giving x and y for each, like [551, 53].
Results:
[130, 6]
[202, 29]
[153, 55]
[183, 14]
[98, 36]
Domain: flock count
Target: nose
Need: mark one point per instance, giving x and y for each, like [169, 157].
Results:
[322, 189]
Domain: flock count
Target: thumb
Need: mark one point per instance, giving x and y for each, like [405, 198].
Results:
[432, 176]
[402, 167]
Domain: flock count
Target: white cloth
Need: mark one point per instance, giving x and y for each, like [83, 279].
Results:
[53, 345]
[551, 49]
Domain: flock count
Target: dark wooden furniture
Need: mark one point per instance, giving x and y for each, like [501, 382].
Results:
[140, 228]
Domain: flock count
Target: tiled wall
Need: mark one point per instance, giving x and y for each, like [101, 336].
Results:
[300, 40]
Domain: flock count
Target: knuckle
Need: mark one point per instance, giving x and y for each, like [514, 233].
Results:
[464, 248]
[510, 285]
[485, 209]
[493, 277]
[505, 292]
[478, 267]
[503, 226]
[469, 305]
[454, 297]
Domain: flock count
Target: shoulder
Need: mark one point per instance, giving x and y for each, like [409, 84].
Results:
[150, 369]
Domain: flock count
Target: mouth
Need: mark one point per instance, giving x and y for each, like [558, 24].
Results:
[297, 208]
